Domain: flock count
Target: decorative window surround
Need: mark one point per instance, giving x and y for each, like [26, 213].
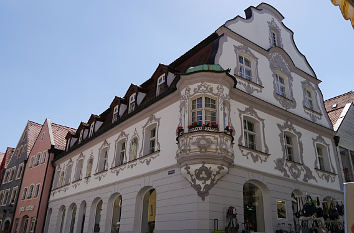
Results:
[314, 113]
[261, 144]
[295, 168]
[122, 138]
[255, 83]
[274, 29]
[102, 164]
[327, 175]
[279, 66]
[152, 121]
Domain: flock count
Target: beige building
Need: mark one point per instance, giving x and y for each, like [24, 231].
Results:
[238, 121]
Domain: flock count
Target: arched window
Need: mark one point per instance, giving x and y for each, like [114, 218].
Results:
[73, 217]
[117, 207]
[253, 208]
[133, 149]
[24, 224]
[203, 110]
[89, 167]
[81, 218]
[7, 225]
[149, 211]
[61, 218]
[96, 228]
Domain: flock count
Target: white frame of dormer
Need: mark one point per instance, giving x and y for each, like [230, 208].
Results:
[162, 77]
[115, 113]
[68, 143]
[132, 100]
[92, 129]
[81, 135]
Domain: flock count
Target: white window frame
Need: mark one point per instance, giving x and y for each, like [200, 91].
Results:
[12, 174]
[115, 113]
[31, 162]
[152, 139]
[44, 156]
[249, 133]
[160, 81]
[120, 151]
[243, 67]
[13, 195]
[309, 99]
[32, 225]
[132, 102]
[281, 87]
[6, 197]
[202, 111]
[92, 128]
[6, 176]
[324, 157]
[89, 172]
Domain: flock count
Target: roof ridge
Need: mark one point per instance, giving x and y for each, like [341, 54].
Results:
[341, 95]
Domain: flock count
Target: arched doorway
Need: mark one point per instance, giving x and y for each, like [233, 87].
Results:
[71, 218]
[81, 217]
[149, 211]
[253, 208]
[7, 225]
[61, 218]
[114, 212]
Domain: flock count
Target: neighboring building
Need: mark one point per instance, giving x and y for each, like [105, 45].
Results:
[34, 192]
[341, 112]
[12, 178]
[5, 159]
[252, 132]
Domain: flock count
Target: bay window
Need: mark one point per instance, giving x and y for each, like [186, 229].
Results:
[203, 110]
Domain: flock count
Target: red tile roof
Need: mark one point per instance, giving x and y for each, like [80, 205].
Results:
[33, 130]
[334, 106]
[59, 133]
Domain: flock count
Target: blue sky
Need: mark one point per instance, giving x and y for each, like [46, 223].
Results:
[67, 59]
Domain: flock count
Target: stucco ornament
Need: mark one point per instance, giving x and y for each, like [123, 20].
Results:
[314, 113]
[151, 121]
[294, 168]
[203, 177]
[278, 65]
[329, 174]
[262, 153]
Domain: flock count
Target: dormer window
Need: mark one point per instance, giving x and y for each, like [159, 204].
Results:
[161, 84]
[68, 144]
[115, 114]
[92, 126]
[132, 102]
[81, 134]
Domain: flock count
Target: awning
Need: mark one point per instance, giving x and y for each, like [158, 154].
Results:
[347, 8]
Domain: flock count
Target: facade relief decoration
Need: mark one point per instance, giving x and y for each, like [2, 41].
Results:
[151, 121]
[295, 168]
[255, 84]
[330, 175]
[273, 27]
[122, 137]
[105, 146]
[279, 65]
[315, 113]
[203, 176]
[262, 153]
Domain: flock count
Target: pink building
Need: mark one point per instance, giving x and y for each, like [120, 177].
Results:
[35, 188]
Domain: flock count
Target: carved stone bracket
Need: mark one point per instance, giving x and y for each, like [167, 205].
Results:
[203, 177]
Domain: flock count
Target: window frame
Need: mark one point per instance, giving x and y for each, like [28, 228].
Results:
[203, 109]
[92, 129]
[24, 193]
[44, 157]
[36, 191]
[159, 83]
[247, 132]
[133, 141]
[119, 160]
[13, 195]
[244, 67]
[89, 165]
[324, 157]
[274, 38]
[115, 113]
[30, 193]
[279, 85]
[309, 103]
[132, 103]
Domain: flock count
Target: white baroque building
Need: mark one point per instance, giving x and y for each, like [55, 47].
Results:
[252, 131]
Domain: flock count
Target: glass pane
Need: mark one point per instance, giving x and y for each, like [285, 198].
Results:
[153, 133]
[253, 208]
[247, 62]
[194, 104]
[209, 103]
[252, 141]
[199, 102]
[199, 116]
[240, 59]
[242, 73]
[248, 74]
[193, 117]
[250, 126]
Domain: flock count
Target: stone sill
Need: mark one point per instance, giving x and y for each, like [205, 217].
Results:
[297, 163]
[313, 111]
[252, 150]
[131, 161]
[285, 98]
[324, 171]
[248, 81]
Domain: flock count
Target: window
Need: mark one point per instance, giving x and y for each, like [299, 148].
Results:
[33, 223]
[24, 194]
[274, 38]
[120, 152]
[347, 168]
[115, 114]
[42, 137]
[36, 192]
[13, 195]
[6, 197]
[291, 147]
[61, 179]
[133, 149]
[78, 170]
[322, 157]
[24, 224]
[152, 140]
[36, 159]
[92, 127]
[281, 209]
[161, 84]
[44, 156]
[98, 212]
[308, 99]
[203, 110]
[72, 221]
[19, 171]
[17, 220]
[149, 211]
[68, 174]
[89, 167]
[117, 207]
[12, 174]
[132, 102]
[30, 192]
[280, 85]
[253, 208]
[81, 134]
[245, 67]
[6, 176]
[62, 218]
[1, 196]
[249, 134]
[103, 160]
[68, 143]
[31, 162]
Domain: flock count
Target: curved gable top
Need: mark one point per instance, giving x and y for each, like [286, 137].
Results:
[256, 28]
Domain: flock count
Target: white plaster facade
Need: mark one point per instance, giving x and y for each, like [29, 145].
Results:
[184, 201]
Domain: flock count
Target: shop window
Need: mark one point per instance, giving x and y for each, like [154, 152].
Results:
[253, 208]
[281, 209]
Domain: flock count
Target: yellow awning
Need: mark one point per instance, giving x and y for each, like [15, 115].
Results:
[347, 8]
